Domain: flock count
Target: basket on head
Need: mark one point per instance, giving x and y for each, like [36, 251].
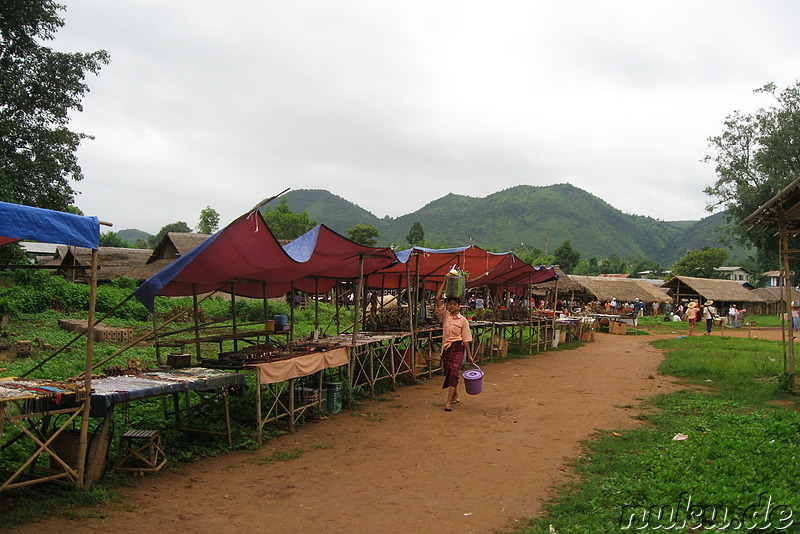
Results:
[455, 285]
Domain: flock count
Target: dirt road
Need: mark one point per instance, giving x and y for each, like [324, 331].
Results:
[403, 464]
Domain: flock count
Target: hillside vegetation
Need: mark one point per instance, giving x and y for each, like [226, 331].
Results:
[538, 216]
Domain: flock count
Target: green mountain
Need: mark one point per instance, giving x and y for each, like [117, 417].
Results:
[131, 235]
[537, 216]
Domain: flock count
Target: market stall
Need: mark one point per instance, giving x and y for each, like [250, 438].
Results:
[24, 222]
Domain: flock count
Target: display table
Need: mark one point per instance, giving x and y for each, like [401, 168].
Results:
[29, 407]
[108, 392]
[278, 379]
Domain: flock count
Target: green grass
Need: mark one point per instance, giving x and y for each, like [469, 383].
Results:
[284, 456]
[739, 451]
[735, 367]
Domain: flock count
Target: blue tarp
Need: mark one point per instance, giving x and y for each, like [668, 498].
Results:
[37, 224]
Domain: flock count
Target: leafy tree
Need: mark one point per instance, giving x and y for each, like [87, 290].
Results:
[532, 255]
[284, 223]
[39, 87]
[566, 257]
[586, 267]
[364, 234]
[643, 264]
[613, 264]
[756, 156]
[112, 239]
[179, 227]
[209, 221]
[140, 243]
[700, 263]
[416, 235]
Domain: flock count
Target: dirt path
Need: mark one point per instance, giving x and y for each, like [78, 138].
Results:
[404, 464]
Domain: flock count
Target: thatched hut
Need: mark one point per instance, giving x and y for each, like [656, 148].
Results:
[604, 288]
[566, 287]
[112, 262]
[723, 292]
[171, 247]
[773, 300]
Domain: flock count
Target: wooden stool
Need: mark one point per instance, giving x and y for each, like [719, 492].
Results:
[141, 450]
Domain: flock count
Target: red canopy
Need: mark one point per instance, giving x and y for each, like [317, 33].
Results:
[247, 254]
[484, 268]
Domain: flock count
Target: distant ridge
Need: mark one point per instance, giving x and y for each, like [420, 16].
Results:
[538, 216]
[131, 235]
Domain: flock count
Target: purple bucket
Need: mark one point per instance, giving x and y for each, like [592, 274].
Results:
[473, 380]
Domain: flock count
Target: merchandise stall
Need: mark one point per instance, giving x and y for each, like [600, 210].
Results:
[28, 411]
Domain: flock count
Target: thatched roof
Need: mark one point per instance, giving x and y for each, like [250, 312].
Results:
[146, 271]
[710, 288]
[774, 294]
[622, 289]
[176, 244]
[112, 262]
[171, 247]
[782, 210]
[565, 285]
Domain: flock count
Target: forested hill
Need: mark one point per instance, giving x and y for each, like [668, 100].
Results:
[541, 217]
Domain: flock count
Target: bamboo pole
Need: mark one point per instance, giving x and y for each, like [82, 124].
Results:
[159, 361]
[316, 308]
[265, 302]
[195, 304]
[788, 289]
[233, 312]
[356, 305]
[87, 375]
[76, 338]
[291, 312]
[555, 300]
[145, 336]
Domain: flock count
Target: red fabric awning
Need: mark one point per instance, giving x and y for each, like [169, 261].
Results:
[484, 268]
[247, 254]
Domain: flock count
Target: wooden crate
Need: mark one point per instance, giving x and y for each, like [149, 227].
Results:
[616, 327]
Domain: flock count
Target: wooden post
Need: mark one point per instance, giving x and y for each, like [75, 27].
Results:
[291, 312]
[316, 308]
[356, 306]
[196, 310]
[336, 294]
[788, 289]
[291, 401]
[555, 300]
[235, 328]
[265, 302]
[259, 425]
[159, 360]
[87, 376]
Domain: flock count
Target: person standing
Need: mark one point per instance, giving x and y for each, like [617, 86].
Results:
[479, 305]
[733, 315]
[691, 315]
[709, 312]
[655, 308]
[456, 342]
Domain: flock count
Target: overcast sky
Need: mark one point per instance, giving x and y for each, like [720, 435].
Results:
[393, 104]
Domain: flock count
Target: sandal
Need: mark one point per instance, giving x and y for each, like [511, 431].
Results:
[456, 401]
[448, 409]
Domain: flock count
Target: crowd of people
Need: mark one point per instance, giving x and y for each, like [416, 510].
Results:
[691, 312]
